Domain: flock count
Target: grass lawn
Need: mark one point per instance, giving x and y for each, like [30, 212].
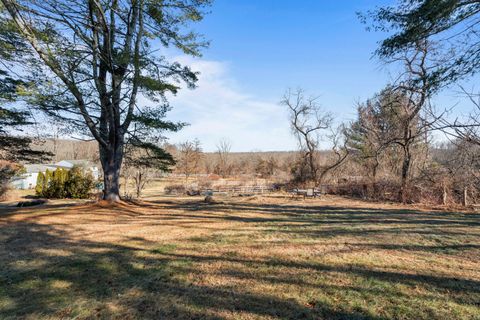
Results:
[242, 258]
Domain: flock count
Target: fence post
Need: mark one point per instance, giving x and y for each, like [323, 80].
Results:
[465, 196]
[444, 194]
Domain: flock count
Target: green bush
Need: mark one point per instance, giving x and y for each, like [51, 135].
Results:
[78, 184]
[61, 183]
[57, 185]
[40, 186]
[47, 191]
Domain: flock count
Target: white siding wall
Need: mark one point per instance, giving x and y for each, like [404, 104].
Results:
[28, 181]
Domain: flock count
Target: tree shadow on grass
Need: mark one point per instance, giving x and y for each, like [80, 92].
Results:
[449, 284]
[335, 214]
[329, 221]
[47, 274]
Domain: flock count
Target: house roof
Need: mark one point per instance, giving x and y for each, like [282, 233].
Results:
[71, 163]
[67, 164]
[35, 168]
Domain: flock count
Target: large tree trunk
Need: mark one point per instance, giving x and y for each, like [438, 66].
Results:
[111, 160]
[405, 172]
[313, 167]
[373, 179]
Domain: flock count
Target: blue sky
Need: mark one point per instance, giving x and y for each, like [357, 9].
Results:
[273, 44]
[261, 48]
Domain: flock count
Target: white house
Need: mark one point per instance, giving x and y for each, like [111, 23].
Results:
[28, 180]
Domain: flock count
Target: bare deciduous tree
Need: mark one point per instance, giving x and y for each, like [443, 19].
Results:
[223, 157]
[411, 96]
[141, 166]
[140, 175]
[190, 155]
[308, 121]
[340, 151]
[467, 129]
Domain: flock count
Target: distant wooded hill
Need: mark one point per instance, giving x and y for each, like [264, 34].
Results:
[88, 150]
[241, 162]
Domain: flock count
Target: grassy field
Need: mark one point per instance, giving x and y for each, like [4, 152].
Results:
[240, 258]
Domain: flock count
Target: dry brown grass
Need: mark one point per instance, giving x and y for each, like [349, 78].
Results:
[241, 258]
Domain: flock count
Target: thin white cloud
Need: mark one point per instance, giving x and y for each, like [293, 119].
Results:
[219, 108]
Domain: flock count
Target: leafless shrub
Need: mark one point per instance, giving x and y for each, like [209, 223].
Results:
[175, 189]
[223, 166]
[190, 155]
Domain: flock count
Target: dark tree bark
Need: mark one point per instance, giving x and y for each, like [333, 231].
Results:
[111, 159]
[407, 158]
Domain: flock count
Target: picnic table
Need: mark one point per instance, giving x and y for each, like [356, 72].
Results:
[306, 193]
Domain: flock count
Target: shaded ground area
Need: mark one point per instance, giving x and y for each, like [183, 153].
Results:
[255, 258]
